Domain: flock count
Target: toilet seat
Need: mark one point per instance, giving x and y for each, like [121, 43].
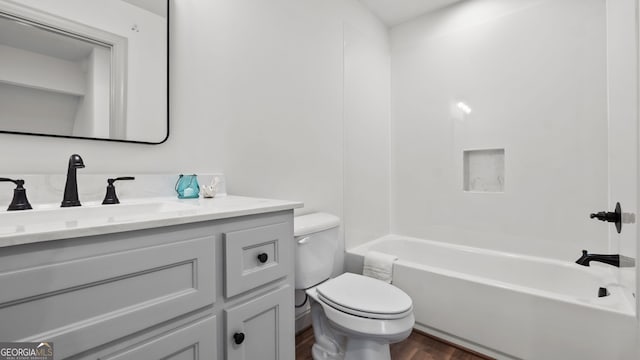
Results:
[385, 330]
[365, 297]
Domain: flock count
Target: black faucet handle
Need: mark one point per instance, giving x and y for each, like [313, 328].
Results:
[605, 216]
[111, 181]
[18, 182]
[111, 197]
[610, 216]
[20, 201]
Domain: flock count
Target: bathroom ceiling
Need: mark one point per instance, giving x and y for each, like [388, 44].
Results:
[155, 6]
[393, 12]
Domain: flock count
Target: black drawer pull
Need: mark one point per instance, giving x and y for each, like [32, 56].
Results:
[238, 338]
[263, 257]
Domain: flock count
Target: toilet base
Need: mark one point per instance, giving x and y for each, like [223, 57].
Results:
[361, 349]
[328, 345]
[356, 349]
[332, 344]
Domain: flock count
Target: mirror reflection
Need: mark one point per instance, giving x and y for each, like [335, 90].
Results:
[87, 69]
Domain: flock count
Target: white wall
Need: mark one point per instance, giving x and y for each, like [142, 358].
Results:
[269, 95]
[257, 93]
[278, 85]
[534, 74]
[366, 136]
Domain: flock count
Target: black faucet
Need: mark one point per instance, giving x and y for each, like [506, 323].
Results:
[615, 260]
[19, 201]
[71, 187]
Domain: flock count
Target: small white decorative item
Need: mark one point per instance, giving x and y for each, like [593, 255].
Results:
[209, 191]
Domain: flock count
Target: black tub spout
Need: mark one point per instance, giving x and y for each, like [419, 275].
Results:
[614, 260]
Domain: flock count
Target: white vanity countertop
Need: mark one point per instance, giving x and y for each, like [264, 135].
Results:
[50, 222]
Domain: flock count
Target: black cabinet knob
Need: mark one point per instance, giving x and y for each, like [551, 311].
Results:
[238, 338]
[263, 257]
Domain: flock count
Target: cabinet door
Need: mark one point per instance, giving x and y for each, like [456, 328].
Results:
[262, 328]
[194, 341]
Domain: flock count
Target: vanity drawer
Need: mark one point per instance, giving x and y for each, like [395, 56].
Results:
[86, 302]
[257, 256]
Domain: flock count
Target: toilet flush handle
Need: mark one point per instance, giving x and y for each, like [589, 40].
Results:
[304, 240]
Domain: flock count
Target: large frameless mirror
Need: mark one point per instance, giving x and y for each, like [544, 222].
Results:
[91, 69]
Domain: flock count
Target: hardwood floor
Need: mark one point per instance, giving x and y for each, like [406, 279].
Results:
[417, 346]
[304, 342]
[420, 346]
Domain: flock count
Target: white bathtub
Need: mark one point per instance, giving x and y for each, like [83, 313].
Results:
[510, 306]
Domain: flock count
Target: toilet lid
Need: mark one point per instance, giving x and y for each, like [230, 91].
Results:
[364, 296]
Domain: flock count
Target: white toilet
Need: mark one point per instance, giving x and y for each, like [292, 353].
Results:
[354, 317]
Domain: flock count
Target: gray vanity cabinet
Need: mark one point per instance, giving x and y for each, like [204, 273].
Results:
[160, 293]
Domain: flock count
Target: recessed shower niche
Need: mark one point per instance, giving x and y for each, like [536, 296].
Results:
[484, 170]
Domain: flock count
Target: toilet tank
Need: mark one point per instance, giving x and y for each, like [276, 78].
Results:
[316, 237]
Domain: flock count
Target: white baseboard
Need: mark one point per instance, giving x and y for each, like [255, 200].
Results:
[303, 321]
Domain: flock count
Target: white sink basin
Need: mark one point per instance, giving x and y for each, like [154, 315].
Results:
[91, 213]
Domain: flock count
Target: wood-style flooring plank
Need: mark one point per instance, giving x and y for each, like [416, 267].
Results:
[304, 342]
[417, 346]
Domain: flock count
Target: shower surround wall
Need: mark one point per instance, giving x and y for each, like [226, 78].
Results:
[533, 74]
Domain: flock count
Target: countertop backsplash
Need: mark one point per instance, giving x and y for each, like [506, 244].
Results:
[49, 188]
